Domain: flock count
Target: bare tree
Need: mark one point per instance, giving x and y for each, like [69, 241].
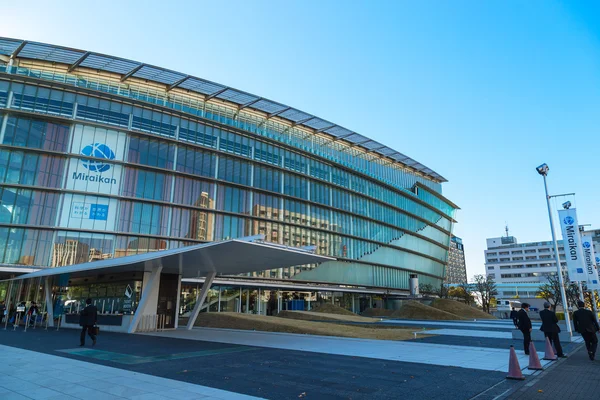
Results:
[441, 291]
[485, 287]
[425, 288]
[464, 292]
[550, 291]
[572, 292]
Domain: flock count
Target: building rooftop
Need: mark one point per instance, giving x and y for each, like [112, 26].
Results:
[75, 58]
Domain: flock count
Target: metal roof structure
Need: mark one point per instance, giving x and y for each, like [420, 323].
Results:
[74, 58]
[227, 257]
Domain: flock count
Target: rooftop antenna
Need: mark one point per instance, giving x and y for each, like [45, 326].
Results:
[506, 228]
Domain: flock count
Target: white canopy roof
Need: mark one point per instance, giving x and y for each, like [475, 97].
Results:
[228, 257]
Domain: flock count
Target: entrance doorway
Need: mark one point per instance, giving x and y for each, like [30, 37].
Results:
[167, 299]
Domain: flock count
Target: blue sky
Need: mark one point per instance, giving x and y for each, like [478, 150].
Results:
[480, 91]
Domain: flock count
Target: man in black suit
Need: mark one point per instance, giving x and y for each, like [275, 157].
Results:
[524, 324]
[87, 321]
[585, 323]
[550, 328]
[513, 316]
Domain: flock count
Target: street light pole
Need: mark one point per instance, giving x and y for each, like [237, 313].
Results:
[557, 258]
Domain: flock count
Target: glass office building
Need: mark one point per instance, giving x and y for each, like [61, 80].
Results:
[105, 157]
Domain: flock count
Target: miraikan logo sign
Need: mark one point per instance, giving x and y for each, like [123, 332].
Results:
[569, 220]
[586, 245]
[98, 150]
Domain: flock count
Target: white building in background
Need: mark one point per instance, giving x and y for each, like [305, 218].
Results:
[519, 268]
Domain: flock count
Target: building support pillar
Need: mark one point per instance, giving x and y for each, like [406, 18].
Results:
[149, 302]
[8, 303]
[178, 302]
[49, 305]
[247, 301]
[258, 305]
[203, 295]
[279, 301]
[219, 300]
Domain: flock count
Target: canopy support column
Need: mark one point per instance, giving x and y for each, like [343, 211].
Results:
[203, 294]
[149, 300]
[178, 305]
[49, 304]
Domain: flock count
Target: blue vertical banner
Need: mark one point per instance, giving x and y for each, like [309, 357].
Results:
[572, 244]
[589, 258]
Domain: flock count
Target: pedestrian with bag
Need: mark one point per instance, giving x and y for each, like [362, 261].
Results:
[87, 320]
[524, 325]
[550, 328]
[585, 323]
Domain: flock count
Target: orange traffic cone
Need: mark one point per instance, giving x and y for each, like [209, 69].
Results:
[514, 369]
[534, 360]
[549, 354]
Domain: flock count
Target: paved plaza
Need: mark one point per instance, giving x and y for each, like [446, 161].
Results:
[230, 364]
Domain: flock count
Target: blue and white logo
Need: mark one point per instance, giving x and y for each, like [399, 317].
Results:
[98, 150]
[586, 245]
[569, 220]
[598, 260]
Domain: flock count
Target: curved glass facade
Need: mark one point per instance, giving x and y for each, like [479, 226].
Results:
[92, 170]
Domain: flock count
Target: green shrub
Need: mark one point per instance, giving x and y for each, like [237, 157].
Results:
[560, 316]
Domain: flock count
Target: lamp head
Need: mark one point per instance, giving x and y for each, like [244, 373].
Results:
[566, 205]
[543, 169]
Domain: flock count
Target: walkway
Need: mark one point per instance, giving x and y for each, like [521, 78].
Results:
[30, 375]
[573, 378]
[481, 358]
[263, 372]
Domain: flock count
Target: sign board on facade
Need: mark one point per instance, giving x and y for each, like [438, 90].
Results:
[97, 175]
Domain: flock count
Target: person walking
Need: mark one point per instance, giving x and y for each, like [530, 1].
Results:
[513, 316]
[550, 328]
[524, 325]
[87, 321]
[585, 323]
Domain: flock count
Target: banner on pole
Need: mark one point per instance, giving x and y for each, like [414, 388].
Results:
[589, 257]
[572, 244]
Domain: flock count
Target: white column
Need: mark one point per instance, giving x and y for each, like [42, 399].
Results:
[178, 303]
[279, 300]
[353, 307]
[258, 301]
[247, 301]
[219, 304]
[7, 303]
[49, 305]
[203, 294]
[149, 301]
